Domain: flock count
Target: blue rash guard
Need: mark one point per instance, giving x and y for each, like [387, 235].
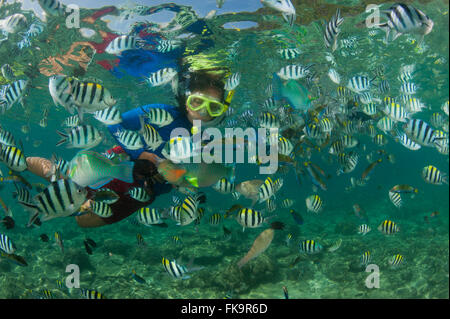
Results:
[130, 121]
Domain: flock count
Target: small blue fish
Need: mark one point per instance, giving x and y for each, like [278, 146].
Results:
[297, 217]
[138, 278]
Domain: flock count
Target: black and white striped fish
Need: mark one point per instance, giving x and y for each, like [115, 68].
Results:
[158, 116]
[179, 148]
[150, 135]
[6, 245]
[139, 194]
[314, 203]
[396, 112]
[403, 139]
[369, 109]
[233, 81]
[189, 209]
[380, 140]
[22, 195]
[388, 227]
[365, 97]
[364, 229]
[59, 165]
[408, 88]
[385, 124]
[290, 53]
[8, 72]
[91, 294]
[414, 105]
[313, 130]
[13, 23]
[359, 84]
[270, 205]
[437, 119]
[287, 203]
[71, 121]
[101, 209]
[149, 216]
[365, 258]
[294, 72]
[249, 218]
[420, 132]
[224, 186]
[432, 175]
[59, 199]
[310, 247]
[396, 260]
[266, 190]
[384, 87]
[6, 138]
[332, 30]
[269, 120]
[174, 213]
[90, 97]
[350, 162]
[336, 147]
[215, 219]
[109, 116]
[286, 8]
[130, 139]
[161, 77]
[395, 199]
[269, 104]
[403, 18]
[60, 87]
[14, 93]
[236, 195]
[82, 136]
[13, 158]
[175, 270]
[52, 7]
[123, 43]
[334, 76]
[285, 147]
[165, 46]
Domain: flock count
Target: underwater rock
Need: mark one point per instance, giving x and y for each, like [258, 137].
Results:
[259, 271]
[346, 228]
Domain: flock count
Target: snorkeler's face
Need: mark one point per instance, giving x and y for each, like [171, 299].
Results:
[202, 114]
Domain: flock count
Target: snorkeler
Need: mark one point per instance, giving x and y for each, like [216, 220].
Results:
[203, 100]
[201, 97]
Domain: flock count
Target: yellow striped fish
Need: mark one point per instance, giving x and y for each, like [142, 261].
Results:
[388, 227]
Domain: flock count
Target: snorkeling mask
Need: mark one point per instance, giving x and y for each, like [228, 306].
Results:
[198, 101]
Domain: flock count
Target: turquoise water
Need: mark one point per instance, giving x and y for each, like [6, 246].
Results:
[252, 52]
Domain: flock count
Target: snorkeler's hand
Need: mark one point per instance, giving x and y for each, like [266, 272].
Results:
[86, 206]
